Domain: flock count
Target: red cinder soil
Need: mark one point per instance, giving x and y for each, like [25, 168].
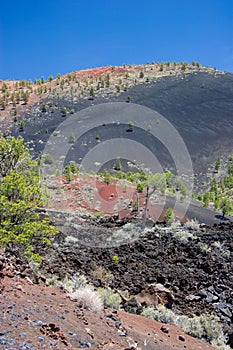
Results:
[43, 317]
[94, 195]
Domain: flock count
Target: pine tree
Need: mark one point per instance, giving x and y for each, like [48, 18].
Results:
[92, 92]
[118, 165]
[63, 111]
[107, 177]
[217, 164]
[169, 216]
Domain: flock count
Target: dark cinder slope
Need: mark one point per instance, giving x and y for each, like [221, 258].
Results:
[200, 106]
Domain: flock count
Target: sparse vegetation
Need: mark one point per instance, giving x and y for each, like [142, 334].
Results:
[43, 108]
[70, 170]
[204, 327]
[220, 194]
[107, 177]
[21, 228]
[22, 125]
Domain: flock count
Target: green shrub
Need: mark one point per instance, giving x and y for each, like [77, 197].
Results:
[48, 159]
[115, 259]
[72, 138]
[63, 111]
[110, 298]
[43, 109]
[130, 125]
[22, 125]
[140, 187]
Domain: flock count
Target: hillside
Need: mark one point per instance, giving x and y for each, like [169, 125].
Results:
[196, 100]
[168, 117]
[39, 316]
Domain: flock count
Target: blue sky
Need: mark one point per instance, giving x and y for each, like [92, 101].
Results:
[39, 38]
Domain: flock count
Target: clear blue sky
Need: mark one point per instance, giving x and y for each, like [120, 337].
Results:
[39, 38]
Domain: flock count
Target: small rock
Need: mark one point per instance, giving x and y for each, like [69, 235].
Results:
[226, 312]
[202, 293]
[3, 333]
[114, 318]
[211, 298]
[164, 329]
[211, 290]
[73, 334]
[193, 297]
[181, 338]
[133, 306]
[29, 281]
[19, 287]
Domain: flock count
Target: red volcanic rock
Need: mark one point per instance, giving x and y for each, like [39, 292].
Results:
[155, 294]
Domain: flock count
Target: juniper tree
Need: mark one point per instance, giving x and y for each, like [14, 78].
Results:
[21, 227]
[226, 206]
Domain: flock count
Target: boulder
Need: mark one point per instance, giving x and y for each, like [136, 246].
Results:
[133, 306]
[155, 294]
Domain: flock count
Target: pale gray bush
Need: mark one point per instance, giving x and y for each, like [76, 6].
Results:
[192, 225]
[149, 312]
[205, 327]
[161, 314]
[205, 248]
[183, 235]
[72, 284]
[220, 249]
[87, 298]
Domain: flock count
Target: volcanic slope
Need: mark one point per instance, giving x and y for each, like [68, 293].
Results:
[197, 101]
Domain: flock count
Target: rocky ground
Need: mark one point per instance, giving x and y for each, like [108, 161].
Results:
[37, 316]
[195, 265]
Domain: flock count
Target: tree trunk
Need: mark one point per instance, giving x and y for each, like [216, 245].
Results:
[147, 202]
